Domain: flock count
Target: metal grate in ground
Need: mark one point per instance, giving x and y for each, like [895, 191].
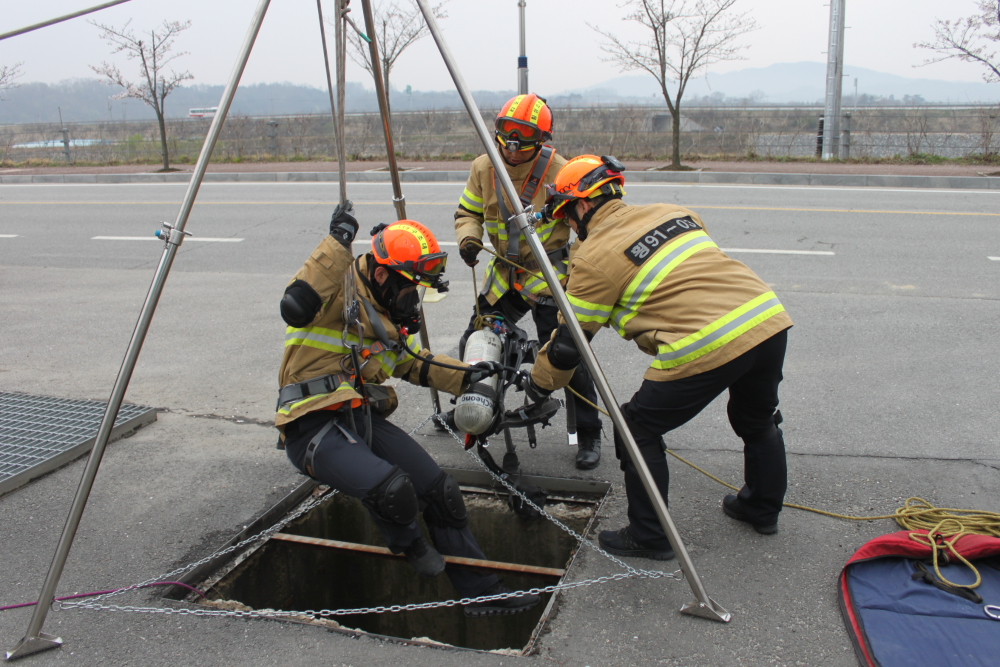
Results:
[40, 433]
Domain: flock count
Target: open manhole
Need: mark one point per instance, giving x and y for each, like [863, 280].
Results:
[308, 566]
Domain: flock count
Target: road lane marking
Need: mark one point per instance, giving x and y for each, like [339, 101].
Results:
[204, 239]
[995, 259]
[8, 236]
[780, 252]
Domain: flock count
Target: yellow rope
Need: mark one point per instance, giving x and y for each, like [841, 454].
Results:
[916, 514]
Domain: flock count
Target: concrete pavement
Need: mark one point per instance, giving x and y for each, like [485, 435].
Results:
[890, 390]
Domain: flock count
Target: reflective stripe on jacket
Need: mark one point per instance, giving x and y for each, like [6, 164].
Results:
[478, 212]
[321, 347]
[654, 275]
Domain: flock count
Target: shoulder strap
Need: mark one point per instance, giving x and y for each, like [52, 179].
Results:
[377, 327]
[537, 174]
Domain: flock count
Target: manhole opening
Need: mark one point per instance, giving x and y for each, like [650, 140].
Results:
[292, 576]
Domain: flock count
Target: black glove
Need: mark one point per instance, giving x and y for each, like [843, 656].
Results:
[343, 226]
[534, 393]
[481, 370]
[468, 251]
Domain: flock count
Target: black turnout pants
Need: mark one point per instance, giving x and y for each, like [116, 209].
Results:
[513, 307]
[354, 469]
[660, 407]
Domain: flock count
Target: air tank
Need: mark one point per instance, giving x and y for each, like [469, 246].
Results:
[474, 409]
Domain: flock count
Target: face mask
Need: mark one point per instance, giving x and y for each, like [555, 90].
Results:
[400, 307]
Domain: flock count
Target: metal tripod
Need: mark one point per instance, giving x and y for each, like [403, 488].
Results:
[703, 605]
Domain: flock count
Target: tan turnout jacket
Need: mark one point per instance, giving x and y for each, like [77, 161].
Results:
[653, 274]
[478, 209]
[319, 348]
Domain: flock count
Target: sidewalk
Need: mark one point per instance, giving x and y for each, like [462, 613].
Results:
[756, 173]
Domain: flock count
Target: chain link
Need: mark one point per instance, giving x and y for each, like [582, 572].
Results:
[629, 573]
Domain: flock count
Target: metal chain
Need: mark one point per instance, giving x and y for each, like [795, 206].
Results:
[630, 572]
[579, 538]
[308, 505]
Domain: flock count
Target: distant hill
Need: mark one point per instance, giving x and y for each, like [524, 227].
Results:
[804, 82]
[786, 83]
[90, 100]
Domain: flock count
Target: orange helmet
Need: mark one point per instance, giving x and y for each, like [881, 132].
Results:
[411, 250]
[583, 177]
[523, 123]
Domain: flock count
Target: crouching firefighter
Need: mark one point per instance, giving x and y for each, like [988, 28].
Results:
[522, 126]
[654, 275]
[352, 324]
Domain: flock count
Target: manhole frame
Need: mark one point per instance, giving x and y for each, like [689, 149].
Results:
[208, 574]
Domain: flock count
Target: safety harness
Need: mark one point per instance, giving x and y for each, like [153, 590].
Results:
[514, 236]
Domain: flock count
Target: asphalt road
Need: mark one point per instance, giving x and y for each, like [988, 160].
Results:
[891, 385]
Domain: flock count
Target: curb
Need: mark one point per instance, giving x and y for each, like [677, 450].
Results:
[708, 177]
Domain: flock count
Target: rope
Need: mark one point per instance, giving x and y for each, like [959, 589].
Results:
[916, 514]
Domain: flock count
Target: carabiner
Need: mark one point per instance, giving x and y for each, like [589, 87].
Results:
[993, 611]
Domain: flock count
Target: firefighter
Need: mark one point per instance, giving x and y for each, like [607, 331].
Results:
[523, 124]
[334, 424]
[654, 275]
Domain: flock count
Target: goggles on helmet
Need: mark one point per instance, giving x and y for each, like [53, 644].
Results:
[517, 135]
[427, 270]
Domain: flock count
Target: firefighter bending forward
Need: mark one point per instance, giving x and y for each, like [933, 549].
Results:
[326, 430]
[654, 275]
[522, 125]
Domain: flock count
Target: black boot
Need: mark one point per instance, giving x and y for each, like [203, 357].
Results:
[504, 607]
[588, 453]
[424, 558]
[622, 543]
[732, 508]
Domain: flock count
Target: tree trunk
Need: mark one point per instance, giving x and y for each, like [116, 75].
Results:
[675, 130]
[163, 139]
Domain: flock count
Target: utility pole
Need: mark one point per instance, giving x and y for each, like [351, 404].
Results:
[834, 82]
[522, 60]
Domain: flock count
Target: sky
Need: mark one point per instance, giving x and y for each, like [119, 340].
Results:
[564, 53]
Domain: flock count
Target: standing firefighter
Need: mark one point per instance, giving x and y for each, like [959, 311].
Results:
[653, 274]
[344, 313]
[522, 125]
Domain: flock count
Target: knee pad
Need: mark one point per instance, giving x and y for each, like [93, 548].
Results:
[394, 498]
[445, 506]
[766, 433]
[653, 443]
[563, 353]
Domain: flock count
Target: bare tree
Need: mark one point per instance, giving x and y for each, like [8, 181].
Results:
[8, 76]
[971, 39]
[153, 55]
[686, 37]
[398, 24]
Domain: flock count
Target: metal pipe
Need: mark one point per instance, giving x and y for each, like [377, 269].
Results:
[398, 200]
[522, 60]
[425, 342]
[21, 31]
[834, 82]
[451, 560]
[704, 606]
[34, 640]
[383, 107]
[329, 88]
[340, 43]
